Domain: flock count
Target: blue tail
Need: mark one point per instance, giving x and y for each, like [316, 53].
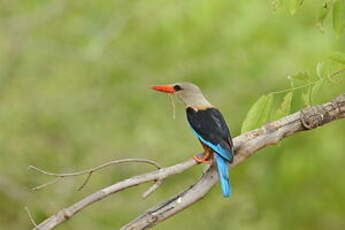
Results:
[223, 173]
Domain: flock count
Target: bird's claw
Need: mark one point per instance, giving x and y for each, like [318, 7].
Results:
[204, 159]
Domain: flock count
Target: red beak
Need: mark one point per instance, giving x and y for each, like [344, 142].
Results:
[164, 88]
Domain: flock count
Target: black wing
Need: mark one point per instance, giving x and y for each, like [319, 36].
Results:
[211, 128]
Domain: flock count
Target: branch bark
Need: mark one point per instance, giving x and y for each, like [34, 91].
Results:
[245, 145]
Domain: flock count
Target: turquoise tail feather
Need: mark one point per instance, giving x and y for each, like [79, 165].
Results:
[223, 173]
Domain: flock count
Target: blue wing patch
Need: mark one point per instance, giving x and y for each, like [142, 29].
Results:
[217, 148]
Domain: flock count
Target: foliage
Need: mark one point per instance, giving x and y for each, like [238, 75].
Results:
[263, 109]
[337, 7]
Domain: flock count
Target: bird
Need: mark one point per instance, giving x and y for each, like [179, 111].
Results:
[208, 125]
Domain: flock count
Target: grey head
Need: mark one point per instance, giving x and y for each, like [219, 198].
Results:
[191, 95]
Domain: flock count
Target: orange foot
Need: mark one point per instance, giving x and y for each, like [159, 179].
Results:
[203, 159]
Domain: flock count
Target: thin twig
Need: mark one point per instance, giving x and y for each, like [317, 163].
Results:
[309, 84]
[46, 184]
[336, 73]
[88, 171]
[171, 96]
[85, 181]
[153, 188]
[30, 216]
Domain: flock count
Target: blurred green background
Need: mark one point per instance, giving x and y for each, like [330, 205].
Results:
[74, 94]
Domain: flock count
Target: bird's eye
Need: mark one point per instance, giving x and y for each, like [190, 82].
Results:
[177, 88]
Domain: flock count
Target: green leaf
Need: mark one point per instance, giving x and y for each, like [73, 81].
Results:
[285, 107]
[315, 89]
[293, 5]
[320, 70]
[302, 77]
[323, 12]
[258, 114]
[339, 16]
[306, 96]
[338, 57]
[266, 115]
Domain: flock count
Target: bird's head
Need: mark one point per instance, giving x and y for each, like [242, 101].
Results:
[189, 93]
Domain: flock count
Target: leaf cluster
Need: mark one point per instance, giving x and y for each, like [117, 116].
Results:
[264, 109]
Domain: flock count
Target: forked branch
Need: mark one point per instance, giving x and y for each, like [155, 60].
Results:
[245, 144]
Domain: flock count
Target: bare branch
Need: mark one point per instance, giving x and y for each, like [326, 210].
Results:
[245, 144]
[46, 184]
[88, 171]
[67, 213]
[153, 188]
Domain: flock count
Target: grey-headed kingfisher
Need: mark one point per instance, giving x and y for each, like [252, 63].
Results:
[209, 127]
